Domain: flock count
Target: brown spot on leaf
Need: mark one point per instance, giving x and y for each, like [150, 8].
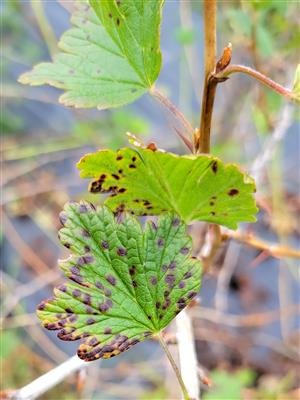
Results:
[175, 222]
[214, 167]
[99, 285]
[93, 342]
[62, 288]
[75, 270]
[63, 218]
[184, 250]
[103, 307]
[172, 265]
[76, 293]
[164, 268]
[160, 242]
[132, 270]
[153, 280]
[41, 306]
[87, 299]
[191, 295]
[107, 331]
[111, 279]
[122, 251]
[104, 245]
[233, 192]
[187, 275]
[132, 166]
[85, 233]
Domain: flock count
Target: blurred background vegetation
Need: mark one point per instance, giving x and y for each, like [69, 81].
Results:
[252, 352]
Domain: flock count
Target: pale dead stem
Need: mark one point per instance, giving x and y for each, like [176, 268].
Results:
[45, 382]
[240, 343]
[243, 321]
[44, 26]
[274, 250]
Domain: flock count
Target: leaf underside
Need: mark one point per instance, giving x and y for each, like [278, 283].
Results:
[109, 58]
[146, 182]
[128, 283]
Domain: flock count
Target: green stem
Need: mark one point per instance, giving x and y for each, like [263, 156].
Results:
[44, 26]
[175, 368]
[231, 69]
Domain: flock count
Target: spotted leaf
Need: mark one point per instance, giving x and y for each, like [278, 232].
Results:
[148, 182]
[127, 283]
[110, 57]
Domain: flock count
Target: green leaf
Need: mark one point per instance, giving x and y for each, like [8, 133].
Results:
[147, 182]
[109, 58]
[229, 385]
[129, 283]
[296, 86]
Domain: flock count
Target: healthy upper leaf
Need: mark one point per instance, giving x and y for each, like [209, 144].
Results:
[296, 85]
[128, 283]
[109, 58]
[148, 182]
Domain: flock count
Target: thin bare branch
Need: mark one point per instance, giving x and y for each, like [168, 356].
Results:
[231, 69]
[177, 113]
[253, 241]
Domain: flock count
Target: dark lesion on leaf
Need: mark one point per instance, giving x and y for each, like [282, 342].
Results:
[160, 242]
[121, 251]
[214, 167]
[132, 270]
[233, 192]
